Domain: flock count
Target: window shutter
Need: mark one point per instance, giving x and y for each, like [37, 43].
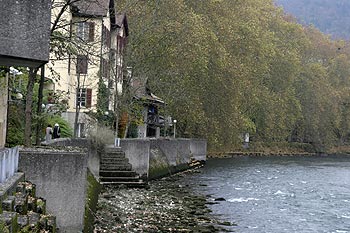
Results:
[88, 97]
[103, 39]
[91, 31]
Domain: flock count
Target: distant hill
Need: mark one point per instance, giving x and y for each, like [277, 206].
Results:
[330, 16]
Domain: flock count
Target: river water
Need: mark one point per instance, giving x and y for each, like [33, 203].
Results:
[280, 194]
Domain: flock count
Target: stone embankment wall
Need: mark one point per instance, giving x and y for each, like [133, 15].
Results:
[152, 158]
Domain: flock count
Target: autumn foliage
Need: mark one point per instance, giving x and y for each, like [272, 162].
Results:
[227, 67]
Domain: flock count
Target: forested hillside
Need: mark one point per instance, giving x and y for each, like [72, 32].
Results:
[227, 67]
[330, 16]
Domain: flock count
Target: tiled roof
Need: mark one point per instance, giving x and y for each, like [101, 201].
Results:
[91, 7]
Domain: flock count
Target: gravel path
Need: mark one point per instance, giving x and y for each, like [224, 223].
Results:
[166, 206]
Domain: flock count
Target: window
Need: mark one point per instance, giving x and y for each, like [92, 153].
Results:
[86, 31]
[82, 64]
[84, 97]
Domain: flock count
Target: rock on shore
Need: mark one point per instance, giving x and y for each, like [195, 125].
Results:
[167, 206]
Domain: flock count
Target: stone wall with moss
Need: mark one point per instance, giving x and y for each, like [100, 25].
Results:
[154, 158]
[93, 190]
[168, 156]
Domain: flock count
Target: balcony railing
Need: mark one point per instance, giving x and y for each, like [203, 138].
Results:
[8, 163]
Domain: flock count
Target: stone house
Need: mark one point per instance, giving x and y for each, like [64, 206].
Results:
[98, 36]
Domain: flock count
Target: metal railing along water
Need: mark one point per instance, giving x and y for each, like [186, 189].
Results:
[8, 163]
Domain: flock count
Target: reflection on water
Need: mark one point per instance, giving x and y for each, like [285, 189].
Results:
[281, 194]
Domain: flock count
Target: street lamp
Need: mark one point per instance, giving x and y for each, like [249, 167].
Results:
[19, 96]
[174, 128]
[14, 95]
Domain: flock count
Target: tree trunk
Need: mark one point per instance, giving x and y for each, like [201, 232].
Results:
[39, 107]
[28, 111]
[5, 85]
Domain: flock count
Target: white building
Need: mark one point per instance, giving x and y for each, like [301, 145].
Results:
[93, 54]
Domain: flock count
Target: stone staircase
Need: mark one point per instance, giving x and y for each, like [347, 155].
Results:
[115, 169]
[22, 211]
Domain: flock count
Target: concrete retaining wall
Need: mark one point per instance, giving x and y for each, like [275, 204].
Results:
[60, 178]
[137, 151]
[198, 148]
[154, 158]
[93, 155]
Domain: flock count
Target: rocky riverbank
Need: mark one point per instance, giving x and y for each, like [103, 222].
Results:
[166, 206]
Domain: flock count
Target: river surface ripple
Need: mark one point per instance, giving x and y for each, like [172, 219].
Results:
[280, 194]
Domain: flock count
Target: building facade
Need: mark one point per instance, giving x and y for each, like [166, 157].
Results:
[90, 58]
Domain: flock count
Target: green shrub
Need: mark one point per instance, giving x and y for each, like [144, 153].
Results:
[3, 228]
[66, 130]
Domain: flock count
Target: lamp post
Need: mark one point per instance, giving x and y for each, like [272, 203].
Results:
[174, 128]
[105, 118]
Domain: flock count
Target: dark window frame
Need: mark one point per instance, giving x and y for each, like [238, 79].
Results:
[86, 31]
[84, 97]
[82, 64]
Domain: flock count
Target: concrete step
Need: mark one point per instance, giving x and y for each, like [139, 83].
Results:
[111, 156]
[22, 220]
[21, 203]
[107, 173]
[107, 160]
[127, 184]
[115, 164]
[120, 179]
[9, 219]
[112, 167]
[33, 218]
[116, 161]
[113, 149]
[114, 153]
[8, 204]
